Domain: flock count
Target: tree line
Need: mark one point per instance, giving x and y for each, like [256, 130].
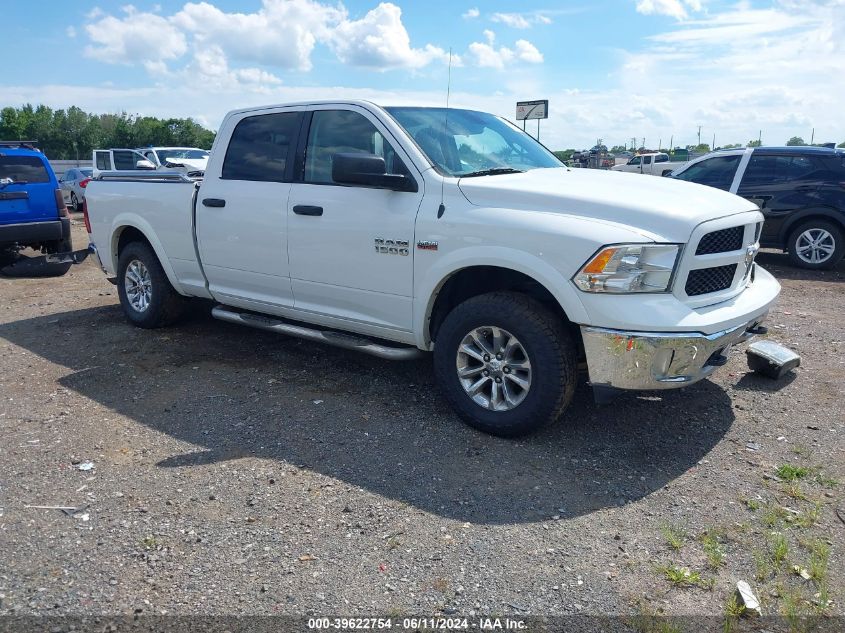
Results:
[73, 133]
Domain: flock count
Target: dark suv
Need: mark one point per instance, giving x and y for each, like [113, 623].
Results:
[800, 190]
[32, 207]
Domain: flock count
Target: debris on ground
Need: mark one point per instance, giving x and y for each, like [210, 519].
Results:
[746, 597]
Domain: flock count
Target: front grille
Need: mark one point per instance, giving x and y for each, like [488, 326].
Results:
[703, 281]
[723, 241]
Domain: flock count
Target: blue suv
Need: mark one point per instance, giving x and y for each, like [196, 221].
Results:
[32, 208]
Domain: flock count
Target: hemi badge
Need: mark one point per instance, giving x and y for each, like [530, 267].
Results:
[425, 245]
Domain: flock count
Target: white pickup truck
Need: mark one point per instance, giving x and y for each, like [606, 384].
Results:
[403, 230]
[654, 164]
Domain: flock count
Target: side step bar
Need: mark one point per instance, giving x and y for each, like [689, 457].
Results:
[338, 339]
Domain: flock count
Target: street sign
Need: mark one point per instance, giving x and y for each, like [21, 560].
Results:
[532, 110]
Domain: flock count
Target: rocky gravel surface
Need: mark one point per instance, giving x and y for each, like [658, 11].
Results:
[212, 469]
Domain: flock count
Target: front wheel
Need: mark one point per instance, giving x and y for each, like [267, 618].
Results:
[816, 244]
[505, 363]
[74, 202]
[146, 296]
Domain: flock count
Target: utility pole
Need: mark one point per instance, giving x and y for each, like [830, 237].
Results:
[671, 142]
[760, 138]
[659, 144]
[812, 136]
[713, 146]
[633, 144]
[699, 135]
[644, 142]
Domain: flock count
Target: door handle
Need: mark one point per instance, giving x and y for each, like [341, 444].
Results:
[307, 209]
[213, 202]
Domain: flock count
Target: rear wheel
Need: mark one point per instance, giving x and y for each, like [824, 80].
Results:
[505, 363]
[74, 202]
[816, 244]
[146, 296]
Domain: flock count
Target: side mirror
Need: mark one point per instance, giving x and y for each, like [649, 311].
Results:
[144, 164]
[368, 170]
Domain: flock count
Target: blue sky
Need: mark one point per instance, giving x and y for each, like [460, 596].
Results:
[613, 69]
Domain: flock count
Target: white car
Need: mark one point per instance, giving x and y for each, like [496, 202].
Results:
[654, 164]
[190, 158]
[398, 231]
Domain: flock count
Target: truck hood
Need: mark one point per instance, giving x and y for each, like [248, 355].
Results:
[659, 208]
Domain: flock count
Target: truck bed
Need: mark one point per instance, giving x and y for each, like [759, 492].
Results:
[162, 207]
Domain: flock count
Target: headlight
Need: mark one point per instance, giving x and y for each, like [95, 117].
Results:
[627, 268]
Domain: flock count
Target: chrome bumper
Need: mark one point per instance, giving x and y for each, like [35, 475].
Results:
[92, 248]
[657, 360]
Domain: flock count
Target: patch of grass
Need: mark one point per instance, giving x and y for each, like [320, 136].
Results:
[819, 555]
[712, 541]
[733, 609]
[773, 515]
[149, 542]
[683, 576]
[753, 504]
[790, 472]
[648, 620]
[778, 548]
[824, 480]
[793, 608]
[794, 491]
[801, 450]
[762, 566]
[393, 543]
[673, 535]
[809, 518]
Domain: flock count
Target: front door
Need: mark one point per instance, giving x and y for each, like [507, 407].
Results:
[242, 212]
[352, 247]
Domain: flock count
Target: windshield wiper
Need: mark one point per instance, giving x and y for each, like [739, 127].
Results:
[495, 171]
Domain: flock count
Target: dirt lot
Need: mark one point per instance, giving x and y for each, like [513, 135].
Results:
[239, 472]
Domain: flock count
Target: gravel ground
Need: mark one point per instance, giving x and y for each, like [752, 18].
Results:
[239, 472]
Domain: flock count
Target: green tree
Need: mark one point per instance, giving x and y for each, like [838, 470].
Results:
[616, 149]
[842, 144]
[795, 140]
[564, 154]
[754, 143]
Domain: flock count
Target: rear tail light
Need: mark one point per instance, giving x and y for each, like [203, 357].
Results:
[84, 182]
[85, 216]
[60, 203]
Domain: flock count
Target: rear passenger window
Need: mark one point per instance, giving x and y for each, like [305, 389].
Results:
[23, 169]
[260, 147]
[661, 158]
[765, 170]
[103, 160]
[125, 159]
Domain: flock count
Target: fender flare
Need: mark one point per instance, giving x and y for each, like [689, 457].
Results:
[429, 286]
[794, 219]
[123, 221]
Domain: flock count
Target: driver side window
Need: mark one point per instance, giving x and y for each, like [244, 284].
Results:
[344, 132]
[635, 160]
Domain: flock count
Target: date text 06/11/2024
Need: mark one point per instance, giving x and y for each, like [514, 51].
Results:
[416, 624]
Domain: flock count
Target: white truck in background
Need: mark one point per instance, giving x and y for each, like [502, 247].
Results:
[397, 231]
[190, 160]
[653, 164]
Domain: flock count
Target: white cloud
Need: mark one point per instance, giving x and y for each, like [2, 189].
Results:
[210, 68]
[134, 39]
[488, 55]
[678, 9]
[282, 33]
[379, 40]
[70, 32]
[471, 14]
[520, 20]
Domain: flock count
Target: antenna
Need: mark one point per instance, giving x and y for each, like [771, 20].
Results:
[442, 208]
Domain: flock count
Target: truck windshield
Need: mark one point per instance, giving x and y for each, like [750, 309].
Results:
[22, 169]
[467, 143]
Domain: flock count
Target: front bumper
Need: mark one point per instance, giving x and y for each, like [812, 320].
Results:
[657, 360]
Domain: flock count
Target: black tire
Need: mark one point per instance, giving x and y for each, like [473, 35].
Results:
[834, 232]
[74, 202]
[165, 304]
[547, 344]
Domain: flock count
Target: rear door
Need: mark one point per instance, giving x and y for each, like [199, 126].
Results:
[27, 189]
[241, 211]
[781, 185]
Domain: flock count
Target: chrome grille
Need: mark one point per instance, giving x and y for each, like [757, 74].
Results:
[723, 241]
[703, 281]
